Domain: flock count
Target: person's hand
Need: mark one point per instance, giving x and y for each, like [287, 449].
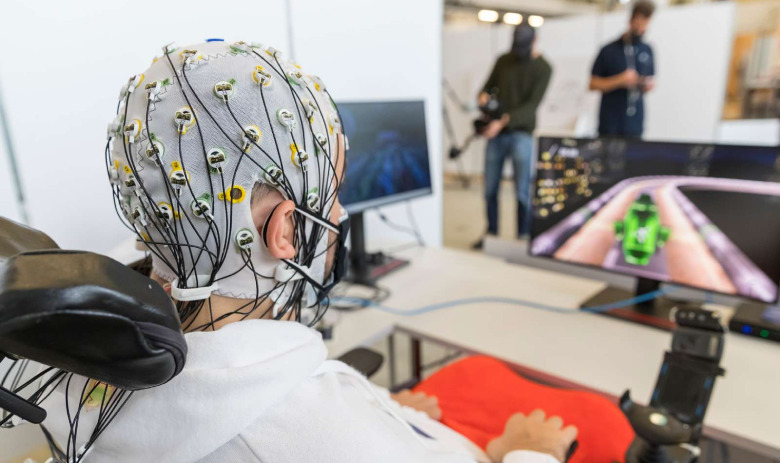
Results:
[629, 78]
[495, 127]
[420, 402]
[533, 433]
[492, 129]
[648, 83]
[483, 99]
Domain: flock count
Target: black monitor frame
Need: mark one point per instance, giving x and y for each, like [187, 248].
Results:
[361, 206]
[364, 267]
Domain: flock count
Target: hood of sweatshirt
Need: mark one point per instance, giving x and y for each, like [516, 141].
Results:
[232, 376]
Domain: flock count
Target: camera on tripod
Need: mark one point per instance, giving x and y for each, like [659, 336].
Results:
[489, 112]
[669, 429]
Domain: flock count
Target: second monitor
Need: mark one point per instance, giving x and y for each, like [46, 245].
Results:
[699, 215]
[387, 163]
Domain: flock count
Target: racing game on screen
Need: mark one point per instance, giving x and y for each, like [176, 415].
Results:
[388, 152]
[706, 216]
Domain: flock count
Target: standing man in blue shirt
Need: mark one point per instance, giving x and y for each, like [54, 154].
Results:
[623, 73]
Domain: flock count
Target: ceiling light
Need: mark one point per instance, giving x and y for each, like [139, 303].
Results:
[488, 16]
[535, 21]
[513, 18]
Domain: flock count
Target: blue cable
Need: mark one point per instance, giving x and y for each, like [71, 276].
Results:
[502, 300]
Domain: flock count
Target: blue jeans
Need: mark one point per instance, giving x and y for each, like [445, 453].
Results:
[519, 147]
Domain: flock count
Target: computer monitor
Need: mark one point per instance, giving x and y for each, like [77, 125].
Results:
[387, 163]
[388, 153]
[698, 215]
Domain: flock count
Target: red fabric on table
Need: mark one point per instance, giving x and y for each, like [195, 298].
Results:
[477, 395]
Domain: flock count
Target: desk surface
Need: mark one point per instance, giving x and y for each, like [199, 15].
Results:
[570, 349]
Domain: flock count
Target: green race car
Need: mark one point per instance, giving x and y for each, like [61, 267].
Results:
[641, 231]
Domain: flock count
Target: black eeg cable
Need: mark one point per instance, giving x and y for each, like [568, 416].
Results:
[281, 74]
[177, 256]
[195, 199]
[228, 137]
[215, 266]
[131, 164]
[193, 271]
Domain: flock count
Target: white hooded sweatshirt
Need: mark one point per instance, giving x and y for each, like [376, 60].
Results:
[263, 391]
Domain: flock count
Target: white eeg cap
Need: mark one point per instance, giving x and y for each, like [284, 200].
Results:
[194, 133]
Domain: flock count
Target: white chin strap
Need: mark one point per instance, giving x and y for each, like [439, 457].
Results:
[193, 293]
[290, 271]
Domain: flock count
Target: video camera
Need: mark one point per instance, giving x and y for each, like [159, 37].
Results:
[669, 428]
[489, 112]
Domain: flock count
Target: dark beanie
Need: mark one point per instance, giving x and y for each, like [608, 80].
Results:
[523, 40]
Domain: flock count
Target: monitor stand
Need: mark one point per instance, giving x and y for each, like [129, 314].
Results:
[365, 268]
[655, 312]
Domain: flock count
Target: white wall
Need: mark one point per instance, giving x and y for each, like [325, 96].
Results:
[367, 51]
[693, 50]
[9, 205]
[765, 132]
[64, 62]
[692, 46]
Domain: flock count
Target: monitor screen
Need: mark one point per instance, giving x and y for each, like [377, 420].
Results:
[388, 153]
[704, 216]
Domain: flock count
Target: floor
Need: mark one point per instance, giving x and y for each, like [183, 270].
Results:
[464, 212]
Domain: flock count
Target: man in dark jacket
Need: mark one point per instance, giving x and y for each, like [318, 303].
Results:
[518, 82]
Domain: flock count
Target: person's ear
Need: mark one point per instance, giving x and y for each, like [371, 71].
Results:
[279, 231]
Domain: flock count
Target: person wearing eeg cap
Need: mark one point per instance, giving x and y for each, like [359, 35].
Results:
[226, 160]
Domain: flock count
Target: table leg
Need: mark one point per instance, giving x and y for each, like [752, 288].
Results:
[416, 360]
[391, 359]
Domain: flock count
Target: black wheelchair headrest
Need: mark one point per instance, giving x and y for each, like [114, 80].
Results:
[85, 313]
[16, 238]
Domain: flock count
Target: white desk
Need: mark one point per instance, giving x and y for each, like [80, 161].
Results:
[571, 349]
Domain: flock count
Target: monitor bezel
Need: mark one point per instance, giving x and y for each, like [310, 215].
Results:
[615, 272]
[362, 206]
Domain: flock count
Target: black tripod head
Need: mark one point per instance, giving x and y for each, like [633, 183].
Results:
[659, 434]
